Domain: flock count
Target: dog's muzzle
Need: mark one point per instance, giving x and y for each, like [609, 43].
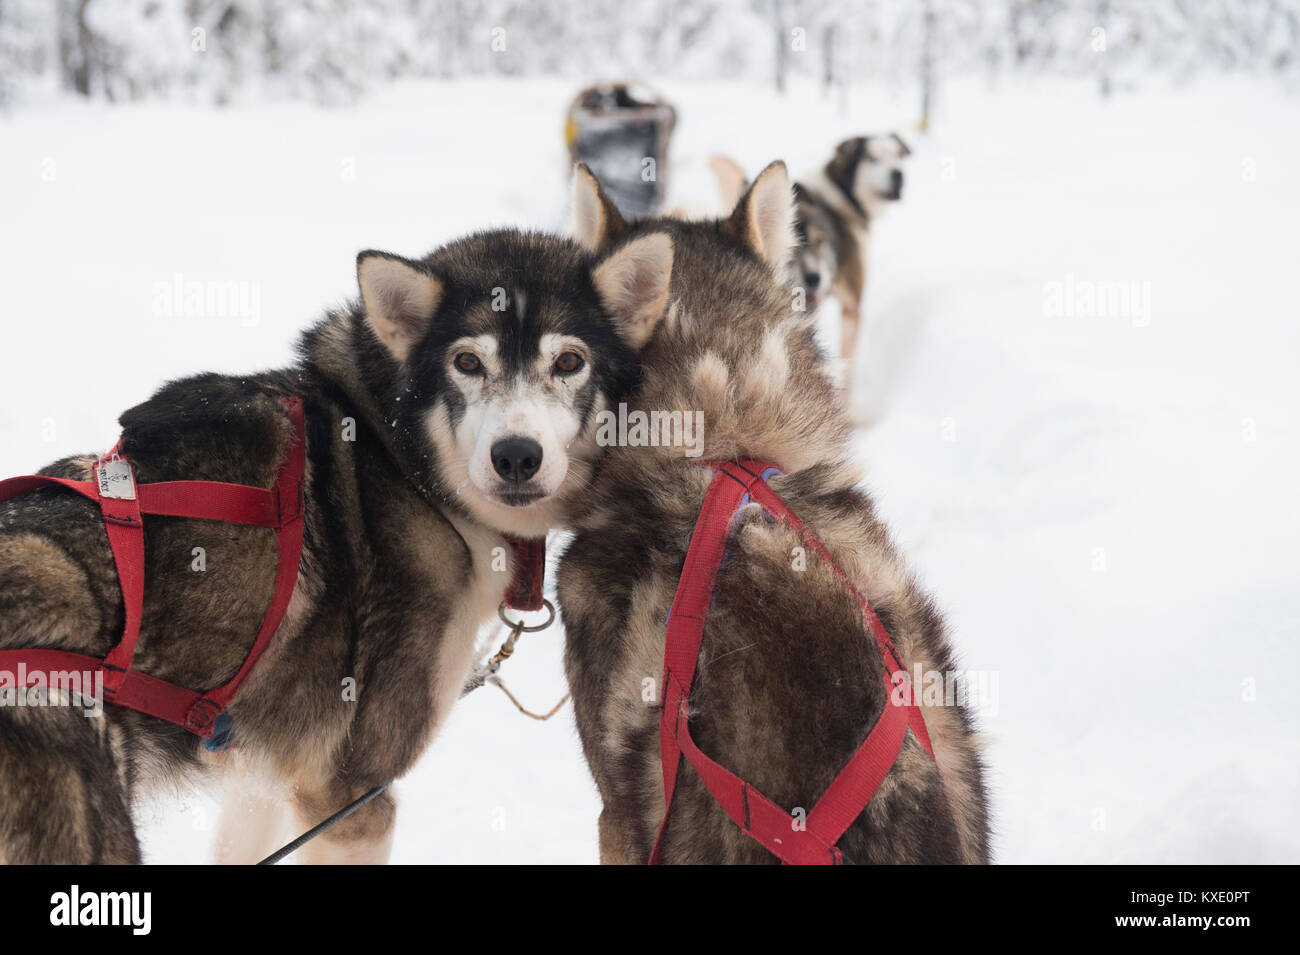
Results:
[516, 459]
[895, 190]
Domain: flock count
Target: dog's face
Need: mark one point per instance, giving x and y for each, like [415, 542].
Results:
[870, 168]
[509, 345]
[816, 256]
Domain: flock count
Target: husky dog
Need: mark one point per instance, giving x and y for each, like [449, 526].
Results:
[452, 404]
[789, 681]
[834, 208]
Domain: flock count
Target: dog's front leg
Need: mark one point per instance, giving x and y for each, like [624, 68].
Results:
[613, 841]
[850, 319]
[63, 793]
[363, 838]
[254, 815]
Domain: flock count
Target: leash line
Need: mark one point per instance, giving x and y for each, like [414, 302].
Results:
[489, 671]
[317, 829]
[497, 681]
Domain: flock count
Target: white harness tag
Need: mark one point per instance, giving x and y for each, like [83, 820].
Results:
[115, 479]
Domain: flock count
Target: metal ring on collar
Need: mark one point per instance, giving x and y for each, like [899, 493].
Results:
[513, 624]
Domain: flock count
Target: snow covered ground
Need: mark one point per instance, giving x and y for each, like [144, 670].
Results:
[1103, 500]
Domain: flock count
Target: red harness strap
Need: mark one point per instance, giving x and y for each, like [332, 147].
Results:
[123, 504]
[759, 817]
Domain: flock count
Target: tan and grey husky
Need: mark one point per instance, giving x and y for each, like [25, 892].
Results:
[789, 681]
[452, 404]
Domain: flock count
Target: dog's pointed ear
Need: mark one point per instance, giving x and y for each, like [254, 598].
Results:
[399, 297]
[903, 149]
[596, 220]
[731, 179]
[764, 217]
[851, 149]
[633, 285]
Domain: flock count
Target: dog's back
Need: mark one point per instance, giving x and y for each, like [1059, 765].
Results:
[789, 680]
[59, 590]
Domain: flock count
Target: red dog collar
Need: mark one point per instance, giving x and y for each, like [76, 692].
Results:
[525, 590]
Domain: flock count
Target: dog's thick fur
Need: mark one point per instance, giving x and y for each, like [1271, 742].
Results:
[833, 213]
[403, 558]
[789, 680]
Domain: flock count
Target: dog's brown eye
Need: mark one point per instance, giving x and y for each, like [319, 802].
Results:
[468, 363]
[568, 363]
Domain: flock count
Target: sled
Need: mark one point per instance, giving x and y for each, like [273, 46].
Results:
[622, 132]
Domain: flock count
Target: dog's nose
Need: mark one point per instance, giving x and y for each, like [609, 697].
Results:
[896, 180]
[516, 459]
[811, 280]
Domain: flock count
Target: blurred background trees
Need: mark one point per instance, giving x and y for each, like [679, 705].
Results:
[331, 51]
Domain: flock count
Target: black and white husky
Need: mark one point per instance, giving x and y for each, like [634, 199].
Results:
[447, 407]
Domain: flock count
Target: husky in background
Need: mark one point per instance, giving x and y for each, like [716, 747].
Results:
[789, 680]
[833, 211]
[454, 403]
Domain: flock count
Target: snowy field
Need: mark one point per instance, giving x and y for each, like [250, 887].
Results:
[1103, 499]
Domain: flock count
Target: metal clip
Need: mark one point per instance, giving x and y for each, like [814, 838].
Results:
[488, 673]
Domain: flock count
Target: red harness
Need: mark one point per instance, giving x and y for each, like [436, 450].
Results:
[734, 484]
[122, 503]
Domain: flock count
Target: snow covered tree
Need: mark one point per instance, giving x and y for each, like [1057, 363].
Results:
[22, 47]
[332, 51]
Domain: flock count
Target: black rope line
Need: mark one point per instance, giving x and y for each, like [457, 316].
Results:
[316, 830]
